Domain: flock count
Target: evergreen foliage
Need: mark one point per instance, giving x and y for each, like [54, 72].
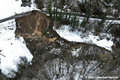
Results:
[64, 17]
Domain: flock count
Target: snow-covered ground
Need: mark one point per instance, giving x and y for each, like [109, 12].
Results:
[65, 31]
[12, 7]
[11, 48]
[76, 36]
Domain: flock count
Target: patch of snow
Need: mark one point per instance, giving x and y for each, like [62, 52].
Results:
[76, 36]
[76, 52]
[55, 51]
[44, 9]
[12, 7]
[12, 48]
[82, 1]
[113, 21]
